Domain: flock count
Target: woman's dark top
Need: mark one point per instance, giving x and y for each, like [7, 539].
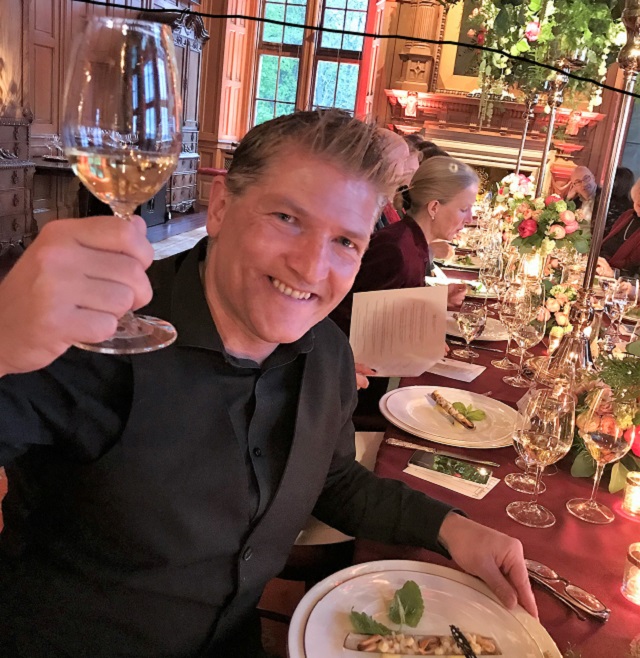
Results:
[621, 247]
[398, 257]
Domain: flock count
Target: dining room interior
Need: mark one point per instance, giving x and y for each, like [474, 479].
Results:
[504, 380]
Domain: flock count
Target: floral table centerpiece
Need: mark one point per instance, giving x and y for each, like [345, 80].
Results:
[619, 379]
[545, 225]
[558, 302]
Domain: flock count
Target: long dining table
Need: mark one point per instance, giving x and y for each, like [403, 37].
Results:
[590, 556]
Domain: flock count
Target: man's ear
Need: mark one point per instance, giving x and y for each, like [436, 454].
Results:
[218, 202]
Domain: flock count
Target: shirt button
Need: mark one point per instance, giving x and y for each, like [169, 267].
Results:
[248, 552]
[257, 452]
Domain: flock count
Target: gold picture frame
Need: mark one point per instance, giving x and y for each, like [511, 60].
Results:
[446, 79]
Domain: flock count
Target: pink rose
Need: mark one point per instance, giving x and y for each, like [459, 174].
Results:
[532, 31]
[536, 214]
[523, 207]
[480, 39]
[571, 227]
[543, 315]
[567, 217]
[556, 231]
[562, 319]
[553, 305]
[552, 198]
[528, 213]
[527, 228]
[561, 298]
[471, 33]
[554, 263]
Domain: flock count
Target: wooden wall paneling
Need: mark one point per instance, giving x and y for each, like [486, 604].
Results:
[369, 63]
[387, 58]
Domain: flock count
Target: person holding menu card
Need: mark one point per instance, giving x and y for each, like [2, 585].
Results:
[151, 497]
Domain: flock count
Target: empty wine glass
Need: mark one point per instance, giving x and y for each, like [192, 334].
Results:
[544, 433]
[530, 331]
[510, 314]
[471, 320]
[606, 426]
[121, 133]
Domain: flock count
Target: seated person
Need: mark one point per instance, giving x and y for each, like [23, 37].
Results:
[441, 196]
[620, 196]
[151, 497]
[621, 247]
[583, 190]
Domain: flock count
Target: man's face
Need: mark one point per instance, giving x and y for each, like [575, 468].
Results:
[583, 183]
[286, 250]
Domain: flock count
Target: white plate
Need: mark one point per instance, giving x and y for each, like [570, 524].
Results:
[321, 620]
[409, 409]
[493, 329]
[481, 294]
[456, 264]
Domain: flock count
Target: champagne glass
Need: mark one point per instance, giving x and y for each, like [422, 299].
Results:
[608, 432]
[510, 314]
[529, 333]
[544, 433]
[121, 133]
[471, 319]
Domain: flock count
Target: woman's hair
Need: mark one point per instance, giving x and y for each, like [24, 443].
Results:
[622, 184]
[439, 178]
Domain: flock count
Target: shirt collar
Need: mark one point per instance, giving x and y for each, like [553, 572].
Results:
[192, 318]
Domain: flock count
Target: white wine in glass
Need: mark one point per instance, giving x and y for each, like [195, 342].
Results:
[471, 320]
[121, 133]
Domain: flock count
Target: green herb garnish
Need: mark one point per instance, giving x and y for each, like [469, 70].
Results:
[406, 608]
[363, 623]
[465, 260]
[407, 605]
[469, 412]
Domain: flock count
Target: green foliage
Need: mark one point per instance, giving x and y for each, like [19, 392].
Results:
[566, 27]
[621, 375]
[407, 605]
[469, 412]
[363, 623]
[584, 465]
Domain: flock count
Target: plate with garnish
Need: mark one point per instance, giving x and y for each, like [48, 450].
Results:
[392, 606]
[414, 410]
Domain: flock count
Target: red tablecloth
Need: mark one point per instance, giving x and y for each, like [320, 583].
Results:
[590, 556]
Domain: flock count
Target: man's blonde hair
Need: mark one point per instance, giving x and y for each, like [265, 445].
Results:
[361, 149]
[439, 178]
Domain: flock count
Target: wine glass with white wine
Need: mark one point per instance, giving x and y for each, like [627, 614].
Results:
[121, 133]
[471, 319]
[544, 433]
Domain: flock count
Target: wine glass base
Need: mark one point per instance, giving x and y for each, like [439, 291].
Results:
[465, 354]
[590, 511]
[517, 380]
[143, 334]
[530, 514]
[524, 483]
[520, 352]
[504, 364]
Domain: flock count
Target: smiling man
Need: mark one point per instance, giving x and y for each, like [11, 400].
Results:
[152, 497]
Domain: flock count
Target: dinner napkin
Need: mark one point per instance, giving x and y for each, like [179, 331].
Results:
[464, 487]
[463, 372]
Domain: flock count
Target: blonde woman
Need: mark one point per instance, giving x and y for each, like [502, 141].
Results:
[440, 196]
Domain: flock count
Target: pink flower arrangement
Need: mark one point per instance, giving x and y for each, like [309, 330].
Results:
[532, 31]
[549, 223]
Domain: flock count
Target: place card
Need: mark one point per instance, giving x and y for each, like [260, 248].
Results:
[399, 333]
[453, 369]
[464, 487]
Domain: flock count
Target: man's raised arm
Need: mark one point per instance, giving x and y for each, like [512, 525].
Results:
[71, 285]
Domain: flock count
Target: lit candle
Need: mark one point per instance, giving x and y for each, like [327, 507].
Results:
[631, 580]
[631, 502]
[532, 265]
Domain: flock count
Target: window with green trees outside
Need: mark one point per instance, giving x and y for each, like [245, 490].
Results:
[333, 60]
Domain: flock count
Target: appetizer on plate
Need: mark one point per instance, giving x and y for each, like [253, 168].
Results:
[405, 644]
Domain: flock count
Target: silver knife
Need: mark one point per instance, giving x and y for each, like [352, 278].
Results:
[414, 446]
[477, 347]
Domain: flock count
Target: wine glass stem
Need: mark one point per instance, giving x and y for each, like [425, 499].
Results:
[534, 495]
[520, 364]
[506, 352]
[596, 482]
